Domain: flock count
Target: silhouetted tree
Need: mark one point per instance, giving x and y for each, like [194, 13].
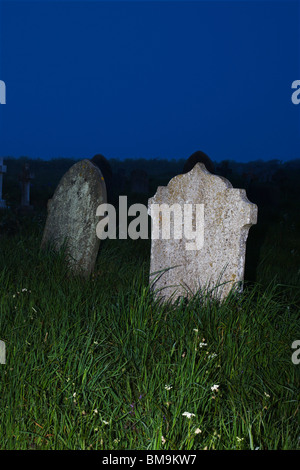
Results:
[198, 157]
[139, 181]
[224, 168]
[104, 166]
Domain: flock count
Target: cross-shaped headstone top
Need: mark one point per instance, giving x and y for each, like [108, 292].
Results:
[26, 174]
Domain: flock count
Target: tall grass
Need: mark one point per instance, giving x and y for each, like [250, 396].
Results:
[100, 364]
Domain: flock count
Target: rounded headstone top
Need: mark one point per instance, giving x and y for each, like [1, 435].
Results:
[72, 215]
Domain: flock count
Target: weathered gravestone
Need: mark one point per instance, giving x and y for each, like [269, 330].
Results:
[2, 171]
[205, 250]
[72, 216]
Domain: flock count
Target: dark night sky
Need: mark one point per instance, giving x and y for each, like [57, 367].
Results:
[150, 79]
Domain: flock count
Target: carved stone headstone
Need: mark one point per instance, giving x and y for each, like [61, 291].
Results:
[207, 240]
[2, 171]
[72, 216]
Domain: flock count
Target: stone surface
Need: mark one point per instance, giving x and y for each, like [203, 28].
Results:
[72, 215]
[219, 257]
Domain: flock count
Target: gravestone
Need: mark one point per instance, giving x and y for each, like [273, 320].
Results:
[25, 178]
[72, 216]
[2, 171]
[205, 250]
[139, 180]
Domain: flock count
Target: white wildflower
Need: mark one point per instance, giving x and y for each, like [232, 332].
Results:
[215, 388]
[168, 387]
[188, 415]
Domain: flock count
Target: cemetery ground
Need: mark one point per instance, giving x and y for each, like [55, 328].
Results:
[100, 364]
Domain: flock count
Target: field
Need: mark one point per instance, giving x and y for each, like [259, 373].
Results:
[100, 364]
